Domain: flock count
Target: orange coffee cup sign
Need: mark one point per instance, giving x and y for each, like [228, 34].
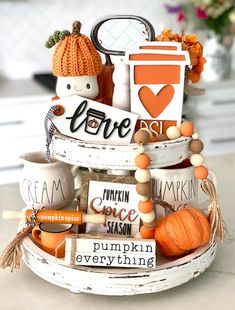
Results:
[157, 72]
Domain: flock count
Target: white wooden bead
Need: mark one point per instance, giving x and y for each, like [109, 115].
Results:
[173, 132]
[140, 149]
[142, 175]
[143, 198]
[147, 217]
[195, 136]
[197, 160]
[148, 130]
[138, 235]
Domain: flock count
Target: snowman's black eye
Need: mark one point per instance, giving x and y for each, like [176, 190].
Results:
[68, 86]
[88, 86]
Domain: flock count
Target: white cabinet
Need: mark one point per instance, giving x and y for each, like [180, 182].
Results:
[21, 128]
[214, 116]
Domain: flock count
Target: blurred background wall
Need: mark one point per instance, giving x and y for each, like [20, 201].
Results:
[26, 24]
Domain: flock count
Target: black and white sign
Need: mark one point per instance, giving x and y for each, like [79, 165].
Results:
[89, 120]
[119, 203]
[110, 252]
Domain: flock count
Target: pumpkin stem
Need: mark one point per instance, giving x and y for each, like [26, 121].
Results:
[164, 204]
[76, 28]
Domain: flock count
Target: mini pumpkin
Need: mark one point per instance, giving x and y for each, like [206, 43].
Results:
[181, 232]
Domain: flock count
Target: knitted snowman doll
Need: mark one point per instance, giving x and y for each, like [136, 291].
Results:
[76, 63]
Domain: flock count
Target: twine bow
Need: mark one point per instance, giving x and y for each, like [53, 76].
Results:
[218, 226]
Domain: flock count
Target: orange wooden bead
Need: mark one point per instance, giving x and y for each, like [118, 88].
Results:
[201, 172]
[187, 129]
[146, 233]
[142, 161]
[145, 206]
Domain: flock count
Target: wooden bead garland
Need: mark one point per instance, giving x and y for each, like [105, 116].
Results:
[143, 176]
[143, 187]
[196, 146]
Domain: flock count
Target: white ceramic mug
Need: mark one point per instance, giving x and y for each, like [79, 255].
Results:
[50, 185]
[176, 185]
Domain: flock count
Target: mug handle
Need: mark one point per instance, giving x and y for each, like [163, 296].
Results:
[77, 181]
[36, 234]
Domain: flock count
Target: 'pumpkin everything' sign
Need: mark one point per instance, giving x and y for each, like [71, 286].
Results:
[89, 120]
[157, 72]
[110, 252]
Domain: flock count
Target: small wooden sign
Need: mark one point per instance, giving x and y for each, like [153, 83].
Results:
[119, 202]
[102, 251]
[157, 72]
[89, 120]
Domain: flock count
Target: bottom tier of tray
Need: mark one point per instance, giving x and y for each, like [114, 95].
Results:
[103, 281]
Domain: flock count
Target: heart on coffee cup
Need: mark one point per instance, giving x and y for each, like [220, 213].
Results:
[156, 104]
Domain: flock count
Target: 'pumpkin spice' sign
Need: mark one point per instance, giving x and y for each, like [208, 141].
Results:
[157, 81]
[119, 203]
[89, 120]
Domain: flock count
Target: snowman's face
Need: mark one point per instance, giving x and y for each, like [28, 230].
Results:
[85, 86]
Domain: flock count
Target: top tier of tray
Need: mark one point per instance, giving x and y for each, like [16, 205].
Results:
[117, 157]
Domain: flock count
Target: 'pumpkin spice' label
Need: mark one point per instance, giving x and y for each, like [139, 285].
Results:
[119, 203]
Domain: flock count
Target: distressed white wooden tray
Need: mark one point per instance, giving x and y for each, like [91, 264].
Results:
[117, 157]
[117, 281]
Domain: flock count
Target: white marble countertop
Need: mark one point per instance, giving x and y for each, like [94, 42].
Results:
[212, 290]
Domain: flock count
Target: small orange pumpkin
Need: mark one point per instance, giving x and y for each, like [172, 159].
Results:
[93, 123]
[181, 232]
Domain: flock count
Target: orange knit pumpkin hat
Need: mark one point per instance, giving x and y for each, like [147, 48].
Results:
[75, 55]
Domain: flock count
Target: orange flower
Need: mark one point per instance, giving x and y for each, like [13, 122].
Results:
[193, 46]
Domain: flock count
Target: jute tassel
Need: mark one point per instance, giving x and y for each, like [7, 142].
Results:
[218, 226]
[12, 254]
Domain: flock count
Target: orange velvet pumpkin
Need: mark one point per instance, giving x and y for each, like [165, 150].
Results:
[181, 232]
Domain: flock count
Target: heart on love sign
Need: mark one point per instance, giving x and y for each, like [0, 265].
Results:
[156, 104]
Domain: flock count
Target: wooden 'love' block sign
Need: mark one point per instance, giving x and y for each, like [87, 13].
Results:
[104, 251]
[157, 71]
[92, 121]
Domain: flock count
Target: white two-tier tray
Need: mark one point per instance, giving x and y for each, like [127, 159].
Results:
[118, 281]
